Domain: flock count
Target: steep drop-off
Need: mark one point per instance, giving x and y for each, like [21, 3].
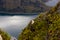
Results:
[45, 27]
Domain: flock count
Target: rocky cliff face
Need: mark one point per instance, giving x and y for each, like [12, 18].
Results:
[45, 27]
[23, 5]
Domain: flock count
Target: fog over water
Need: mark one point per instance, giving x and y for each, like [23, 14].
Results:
[14, 24]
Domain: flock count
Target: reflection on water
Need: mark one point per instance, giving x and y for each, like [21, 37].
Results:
[14, 24]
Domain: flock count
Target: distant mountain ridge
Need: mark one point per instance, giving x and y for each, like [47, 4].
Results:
[25, 6]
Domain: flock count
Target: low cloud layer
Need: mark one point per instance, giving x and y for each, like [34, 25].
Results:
[14, 24]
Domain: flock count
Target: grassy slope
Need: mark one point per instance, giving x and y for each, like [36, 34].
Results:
[46, 26]
[4, 35]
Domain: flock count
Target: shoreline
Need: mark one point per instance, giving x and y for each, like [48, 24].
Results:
[16, 13]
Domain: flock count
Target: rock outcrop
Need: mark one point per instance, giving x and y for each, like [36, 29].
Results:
[1, 37]
[13, 38]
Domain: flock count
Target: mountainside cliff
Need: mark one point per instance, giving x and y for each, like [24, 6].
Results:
[45, 27]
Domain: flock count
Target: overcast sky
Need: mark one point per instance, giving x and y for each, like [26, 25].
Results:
[52, 2]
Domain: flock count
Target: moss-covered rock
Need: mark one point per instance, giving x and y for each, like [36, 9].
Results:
[45, 27]
[4, 35]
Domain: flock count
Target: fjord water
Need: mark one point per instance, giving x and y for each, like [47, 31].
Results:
[14, 24]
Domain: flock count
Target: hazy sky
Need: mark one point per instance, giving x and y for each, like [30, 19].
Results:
[52, 2]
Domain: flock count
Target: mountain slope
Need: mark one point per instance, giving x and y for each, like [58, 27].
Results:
[4, 35]
[45, 27]
[25, 6]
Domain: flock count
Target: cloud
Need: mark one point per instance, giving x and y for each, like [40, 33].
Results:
[14, 24]
[52, 2]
